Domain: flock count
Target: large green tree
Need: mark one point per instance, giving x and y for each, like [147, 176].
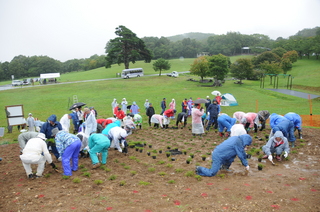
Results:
[126, 48]
[161, 64]
[200, 67]
[218, 67]
[242, 68]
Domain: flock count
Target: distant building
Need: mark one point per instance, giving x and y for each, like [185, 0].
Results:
[202, 54]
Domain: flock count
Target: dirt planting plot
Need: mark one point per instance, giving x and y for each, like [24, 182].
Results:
[136, 182]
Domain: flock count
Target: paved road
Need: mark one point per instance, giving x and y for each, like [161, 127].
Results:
[9, 86]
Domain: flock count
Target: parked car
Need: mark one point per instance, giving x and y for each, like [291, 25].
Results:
[173, 74]
[17, 82]
[26, 82]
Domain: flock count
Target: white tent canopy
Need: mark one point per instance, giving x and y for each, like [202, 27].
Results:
[49, 75]
[228, 100]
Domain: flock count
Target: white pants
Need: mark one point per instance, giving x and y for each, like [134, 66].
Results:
[40, 168]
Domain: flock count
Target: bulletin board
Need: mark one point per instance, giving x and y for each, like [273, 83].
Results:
[15, 115]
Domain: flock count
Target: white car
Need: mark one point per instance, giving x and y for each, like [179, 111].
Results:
[17, 83]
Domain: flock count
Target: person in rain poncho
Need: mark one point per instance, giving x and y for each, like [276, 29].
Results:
[182, 119]
[110, 126]
[276, 119]
[23, 138]
[124, 105]
[225, 122]
[101, 124]
[239, 116]
[36, 152]
[172, 104]
[150, 112]
[212, 114]
[90, 122]
[120, 115]
[249, 121]
[276, 144]
[263, 117]
[297, 121]
[197, 126]
[129, 124]
[114, 104]
[157, 120]
[146, 104]
[134, 109]
[38, 124]
[65, 122]
[68, 146]
[238, 129]
[223, 155]
[190, 104]
[84, 144]
[118, 136]
[98, 143]
[167, 116]
[287, 128]
[137, 120]
[218, 98]
[47, 128]
[30, 123]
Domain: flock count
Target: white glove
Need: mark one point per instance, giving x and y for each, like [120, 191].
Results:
[285, 154]
[120, 150]
[208, 113]
[122, 144]
[270, 158]
[247, 168]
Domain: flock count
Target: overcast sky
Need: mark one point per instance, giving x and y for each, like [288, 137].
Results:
[68, 29]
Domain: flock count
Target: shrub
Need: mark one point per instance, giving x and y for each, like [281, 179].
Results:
[76, 180]
[179, 170]
[98, 182]
[122, 183]
[151, 169]
[126, 167]
[107, 170]
[133, 173]
[161, 162]
[65, 177]
[169, 165]
[81, 166]
[87, 174]
[171, 181]
[198, 177]
[144, 183]
[221, 175]
[47, 175]
[189, 174]
[162, 174]
[112, 177]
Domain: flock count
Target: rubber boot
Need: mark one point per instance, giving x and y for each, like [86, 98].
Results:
[167, 125]
[292, 144]
[140, 126]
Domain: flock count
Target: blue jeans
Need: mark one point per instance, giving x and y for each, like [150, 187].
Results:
[71, 153]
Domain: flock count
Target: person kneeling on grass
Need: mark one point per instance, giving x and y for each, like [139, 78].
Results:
[223, 155]
[36, 152]
[68, 146]
[276, 144]
[98, 143]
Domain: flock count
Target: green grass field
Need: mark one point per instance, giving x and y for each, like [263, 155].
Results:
[45, 100]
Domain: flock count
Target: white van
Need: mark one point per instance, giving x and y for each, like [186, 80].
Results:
[133, 72]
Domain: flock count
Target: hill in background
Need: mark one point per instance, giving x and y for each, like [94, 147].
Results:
[192, 35]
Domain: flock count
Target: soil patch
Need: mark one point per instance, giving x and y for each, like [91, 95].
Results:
[136, 182]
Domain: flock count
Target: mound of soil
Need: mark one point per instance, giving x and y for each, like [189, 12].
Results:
[136, 182]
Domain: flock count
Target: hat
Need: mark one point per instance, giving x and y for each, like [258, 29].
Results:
[91, 108]
[30, 114]
[86, 109]
[54, 131]
[207, 96]
[42, 136]
[119, 108]
[147, 100]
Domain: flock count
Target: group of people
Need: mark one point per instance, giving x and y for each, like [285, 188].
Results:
[95, 135]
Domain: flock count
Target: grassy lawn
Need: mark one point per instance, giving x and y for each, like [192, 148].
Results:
[45, 100]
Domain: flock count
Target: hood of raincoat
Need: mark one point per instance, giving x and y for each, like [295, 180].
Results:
[52, 118]
[246, 139]
[214, 100]
[278, 134]
[117, 123]
[123, 133]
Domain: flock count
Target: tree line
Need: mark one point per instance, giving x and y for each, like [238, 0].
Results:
[127, 47]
